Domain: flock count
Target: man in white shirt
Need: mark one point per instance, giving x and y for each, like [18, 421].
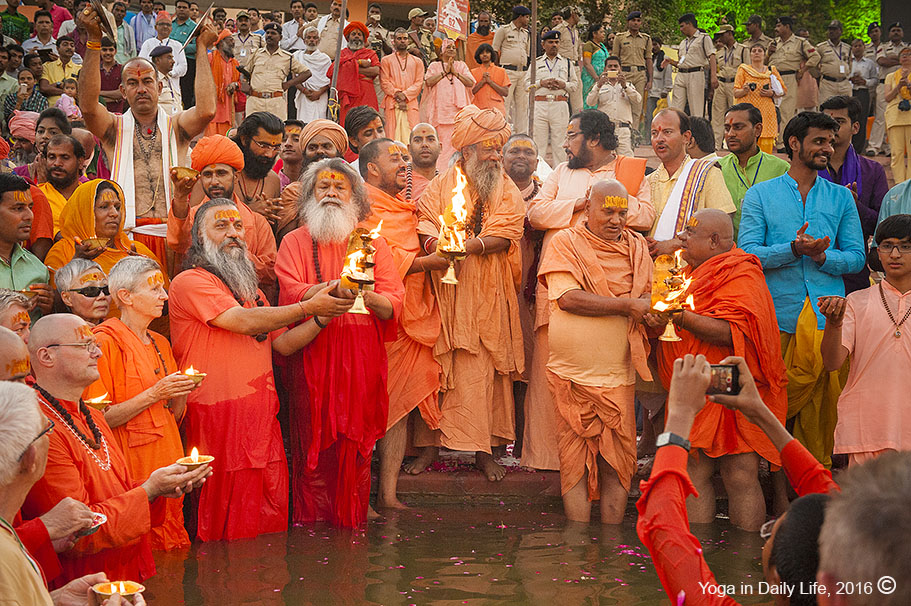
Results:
[293, 30]
[864, 78]
[163, 31]
[556, 79]
[614, 95]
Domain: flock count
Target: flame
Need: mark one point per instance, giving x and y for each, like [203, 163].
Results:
[458, 203]
[660, 306]
[98, 400]
[680, 291]
[689, 303]
[452, 222]
[191, 371]
[123, 589]
[194, 455]
[677, 254]
[375, 232]
[352, 266]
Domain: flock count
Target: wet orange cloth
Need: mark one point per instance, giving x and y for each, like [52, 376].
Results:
[598, 419]
[151, 439]
[43, 219]
[121, 546]
[480, 315]
[731, 287]
[414, 374]
[487, 97]
[78, 221]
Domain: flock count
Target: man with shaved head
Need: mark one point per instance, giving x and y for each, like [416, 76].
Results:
[424, 147]
[598, 276]
[734, 316]
[84, 461]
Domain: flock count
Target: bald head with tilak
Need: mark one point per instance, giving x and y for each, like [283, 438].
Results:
[708, 233]
[14, 364]
[607, 209]
[64, 355]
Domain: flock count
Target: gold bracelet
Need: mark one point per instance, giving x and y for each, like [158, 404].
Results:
[93, 45]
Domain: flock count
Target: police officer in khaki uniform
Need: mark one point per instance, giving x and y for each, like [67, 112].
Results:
[635, 51]
[556, 79]
[269, 68]
[571, 48]
[695, 52]
[728, 58]
[835, 62]
[793, 56]
[245, 41]
[754, 29]
[512, 43]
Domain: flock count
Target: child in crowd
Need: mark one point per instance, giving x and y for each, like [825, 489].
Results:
[67, 102]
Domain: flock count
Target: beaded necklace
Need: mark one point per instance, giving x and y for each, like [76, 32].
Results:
[64, 416]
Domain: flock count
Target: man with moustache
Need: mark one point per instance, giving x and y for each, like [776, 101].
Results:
[328, 26]
[20, 270]
[358, 67]
[480, 347]
[221, 324]
[259, 137]
[424, 148]
[312, 94]
[339, 394]
[64, 155]
[219, 160]
[806, 232]
[292, 158]
[481, 35]
[401, 78]
[227, 83]
[269, 68]
[414, 374]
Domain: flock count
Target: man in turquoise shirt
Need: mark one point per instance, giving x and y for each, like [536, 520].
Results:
[181, 29]
[746, 165]
[19, 269]
[897, 201]
[806, 232]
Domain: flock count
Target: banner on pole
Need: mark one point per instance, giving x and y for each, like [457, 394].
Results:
[452, 18]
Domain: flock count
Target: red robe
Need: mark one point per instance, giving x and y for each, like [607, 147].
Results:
[121, 548]
[231, 415]
[731, 287]
[353, 88]
[339, 402]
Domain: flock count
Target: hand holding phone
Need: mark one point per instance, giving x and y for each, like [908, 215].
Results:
[725, 380]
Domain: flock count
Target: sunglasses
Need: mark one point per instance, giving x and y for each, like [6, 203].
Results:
[49, 428]
[92, 292]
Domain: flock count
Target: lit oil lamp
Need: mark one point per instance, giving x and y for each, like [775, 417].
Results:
[94, 242]
[668, 288]
[453, 233]
[195, 460]
[359, 263]
[194, 374]
[126, 589]
[99, 403]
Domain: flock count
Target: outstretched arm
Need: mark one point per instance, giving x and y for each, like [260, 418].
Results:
[194, 120]
[97, 117]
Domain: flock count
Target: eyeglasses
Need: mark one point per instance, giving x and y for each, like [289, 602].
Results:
[765, 531]
[267, 146]
[92, 291]
[86, 345]
[572, 135]
[48, 429]
[887, 247]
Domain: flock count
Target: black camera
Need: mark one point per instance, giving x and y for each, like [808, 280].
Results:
[904, 105]
[752, 86]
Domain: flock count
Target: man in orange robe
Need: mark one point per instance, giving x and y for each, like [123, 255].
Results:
[480, 347]
[734, 316]
[227, 82]
[140, 377]
[424, 146]
[414, 375]
[598, 275]
[218, 158]
[85, 462]
[358, 67]
[339, 398]
[401, 77]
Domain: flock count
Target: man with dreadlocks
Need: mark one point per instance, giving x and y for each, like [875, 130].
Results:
[480, 345]
[222, 325]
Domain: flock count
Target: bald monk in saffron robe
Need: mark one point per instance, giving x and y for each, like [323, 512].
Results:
[414, 374]
[139, 375]
[734, 316]
[598, 276]
[339, 401]
[480, 347]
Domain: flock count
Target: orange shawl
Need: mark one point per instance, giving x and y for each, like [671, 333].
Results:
[483, 309]
[731, 287]
[224, 72]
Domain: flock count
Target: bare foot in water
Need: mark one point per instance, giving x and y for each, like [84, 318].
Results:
[372, 514]
[428, 455]
[392, 503]
[490, 468]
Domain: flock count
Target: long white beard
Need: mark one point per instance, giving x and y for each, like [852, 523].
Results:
[327, 222]
[234, 267]
[483, 176]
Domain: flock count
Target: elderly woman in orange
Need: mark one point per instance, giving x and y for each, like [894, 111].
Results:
[83, 288]
[147, 392]
[91, 227]
[760, 86]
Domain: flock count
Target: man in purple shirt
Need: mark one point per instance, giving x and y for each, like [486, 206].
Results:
[58, 13]
[864, 177]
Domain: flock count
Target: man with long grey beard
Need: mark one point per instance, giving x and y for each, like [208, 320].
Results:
[222, 325]
[339, 402]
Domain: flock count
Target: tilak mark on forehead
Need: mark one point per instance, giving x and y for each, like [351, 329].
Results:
[84, 332]
[693, 222]
[332, 175]
[229, 214]
[21, 316]
[92, 276]
[616, 202]
[155, 279]
[18, 367]
[522, 143]
[20, 196]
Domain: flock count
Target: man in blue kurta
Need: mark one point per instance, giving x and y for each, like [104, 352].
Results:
[806, 232]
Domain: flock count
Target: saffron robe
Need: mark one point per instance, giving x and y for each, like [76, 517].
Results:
[339, 399]
[394, 79]
[151, 439]
[731, 287]
[231, 415]
[353, 88]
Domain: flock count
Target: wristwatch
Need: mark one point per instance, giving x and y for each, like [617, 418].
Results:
[668, 438]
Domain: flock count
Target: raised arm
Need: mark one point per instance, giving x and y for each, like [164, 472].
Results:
[193, 121]
[97, 117]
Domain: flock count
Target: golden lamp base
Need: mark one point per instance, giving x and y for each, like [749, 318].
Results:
[359, 307]
[450, 276]
[670, 334]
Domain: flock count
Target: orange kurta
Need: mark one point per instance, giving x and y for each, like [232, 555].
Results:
[480, 346]
[474, 41]
[151, 439]
[594, 396]
[487, 97]
[224, 73]
[731, 287]
[121, 547]
[414, 374]
[398, 76]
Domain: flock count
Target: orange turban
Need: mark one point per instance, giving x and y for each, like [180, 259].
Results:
[328, 129]
[473, 125]
[357, 25]
[225, 33]
[216, 149]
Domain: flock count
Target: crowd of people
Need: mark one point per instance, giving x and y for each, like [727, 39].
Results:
[179, 219]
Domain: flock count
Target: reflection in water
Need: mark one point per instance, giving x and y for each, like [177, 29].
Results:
[444, 556]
